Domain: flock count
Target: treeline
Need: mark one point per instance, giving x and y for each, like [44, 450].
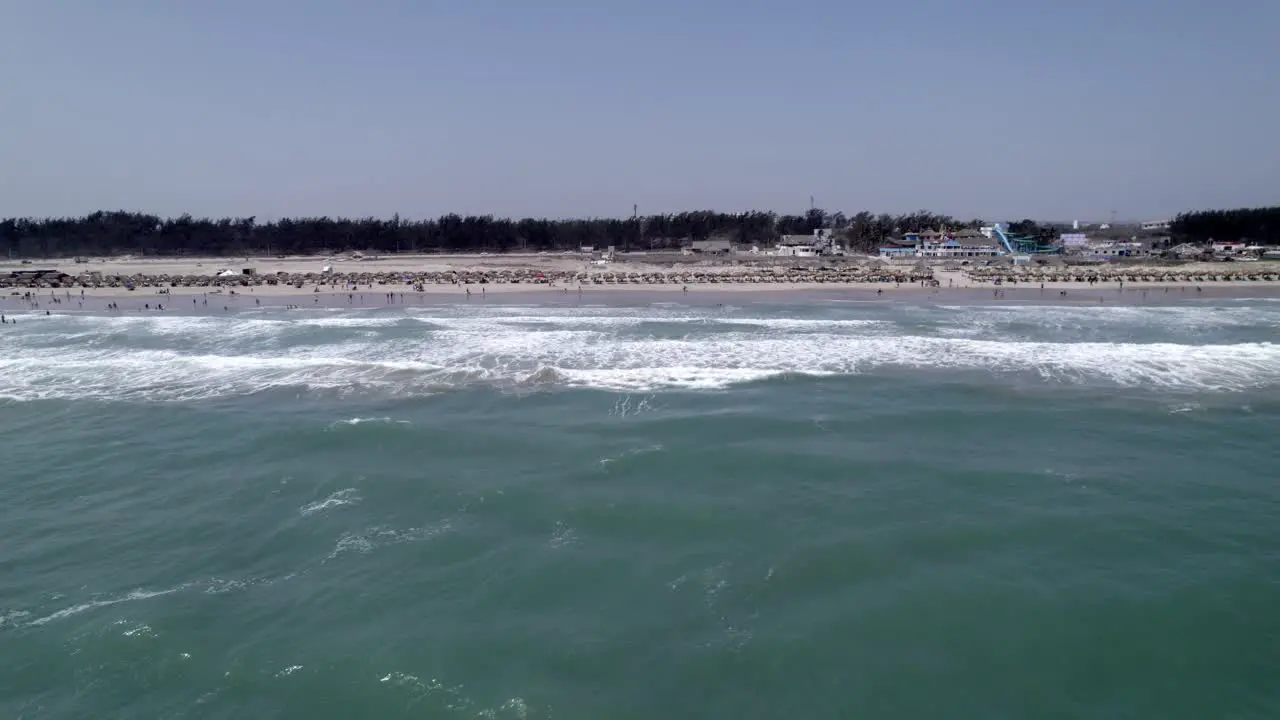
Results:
[1259, 225]
[116, 233]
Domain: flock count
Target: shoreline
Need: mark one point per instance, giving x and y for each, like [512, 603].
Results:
[196, 301]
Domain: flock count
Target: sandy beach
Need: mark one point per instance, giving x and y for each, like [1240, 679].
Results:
[195, 283]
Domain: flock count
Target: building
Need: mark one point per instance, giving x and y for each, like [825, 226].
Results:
[1186, 250]
[1228, 248]
[1070, 240]
[1156, 225]
[1109, 250]
[945, 248]
[898, 251]
[712, 246]
[822, 242]
[786, 249]
[954, 249]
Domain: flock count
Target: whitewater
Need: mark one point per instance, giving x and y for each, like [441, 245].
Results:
[1223, 346]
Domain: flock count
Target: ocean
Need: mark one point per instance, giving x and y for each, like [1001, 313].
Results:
[751, 506]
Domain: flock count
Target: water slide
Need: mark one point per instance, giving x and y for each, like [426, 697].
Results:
[1004, 240]
[1023, 245]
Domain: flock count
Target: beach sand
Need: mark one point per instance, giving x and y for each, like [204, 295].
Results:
[954, 285]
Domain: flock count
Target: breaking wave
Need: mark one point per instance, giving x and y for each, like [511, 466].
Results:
[418, 351]
[346, 496]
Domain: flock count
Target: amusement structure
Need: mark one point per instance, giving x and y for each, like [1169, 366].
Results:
[1024, 244]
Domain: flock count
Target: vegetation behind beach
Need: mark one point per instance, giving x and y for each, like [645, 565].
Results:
[113, 233]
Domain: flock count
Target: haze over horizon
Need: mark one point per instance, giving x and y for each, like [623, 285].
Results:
[572, 109]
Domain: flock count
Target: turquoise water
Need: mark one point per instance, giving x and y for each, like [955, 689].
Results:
[800, 509]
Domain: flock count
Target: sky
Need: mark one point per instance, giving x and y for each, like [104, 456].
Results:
[993, 109]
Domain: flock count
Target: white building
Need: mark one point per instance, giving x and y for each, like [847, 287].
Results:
[821, 242]
[788, 250]
[1107, 250]
[1156, 225]
[1228, 248]
[945, 249]
[955, 249]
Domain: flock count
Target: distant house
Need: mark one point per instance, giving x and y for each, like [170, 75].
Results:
[1186, 250]
[915, 238]
[806, 240]
[1156, 225]
[797, 246]
[711, 246]
[1108, 250]
[897, 252]
[1228, 248]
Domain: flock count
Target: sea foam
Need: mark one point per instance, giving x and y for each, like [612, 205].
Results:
[195, 358]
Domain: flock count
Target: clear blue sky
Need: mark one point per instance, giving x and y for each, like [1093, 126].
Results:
[555, 108]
